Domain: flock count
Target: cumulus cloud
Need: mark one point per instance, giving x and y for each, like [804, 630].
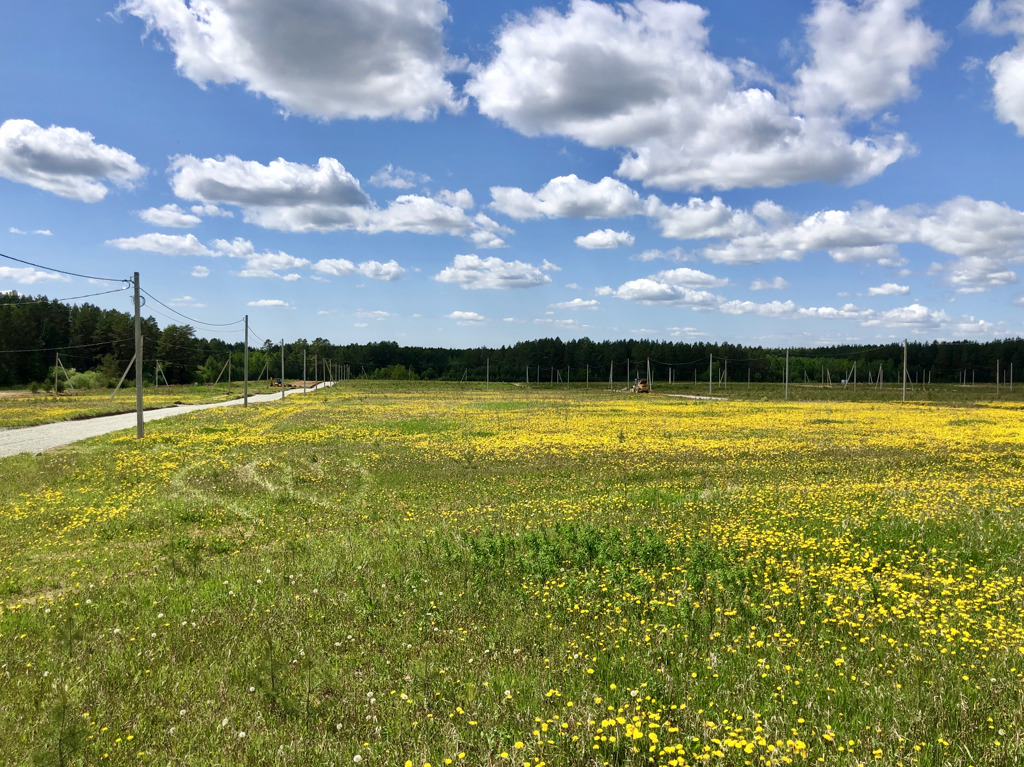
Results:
[976, 274]
[680, 287]
[776, 284]
[605, 239]
[1007, 69]
[200, 272]
[466, 318]
[164, 244]
[889, 289]
[701, 219]
[474, 273]
[576, 303]
[320, 58]
[209, 209]
[913, 317]
[29, 276]
[568, 197]
[169, 216]
[266, 264]
[65, 161]
[269, 302]
[292, 197]
[770, 309]
[397, 178]
[374, 270]
[863, 57]
[639, 76]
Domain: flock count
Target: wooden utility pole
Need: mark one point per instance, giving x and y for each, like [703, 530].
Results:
[904, 370]
[711, 361]
[303, 371]
[282, 370]
[140, 428]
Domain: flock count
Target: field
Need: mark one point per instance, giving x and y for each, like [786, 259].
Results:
[452, 574]
[24, 408]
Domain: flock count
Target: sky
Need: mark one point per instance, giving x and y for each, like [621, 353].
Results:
[469, 174]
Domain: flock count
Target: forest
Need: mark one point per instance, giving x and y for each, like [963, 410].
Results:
[39, 336]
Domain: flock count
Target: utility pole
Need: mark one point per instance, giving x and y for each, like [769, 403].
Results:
[282, 370]
[997, 376]
[711, 360]
[140, 427]
[245, 372]
[487, 382]
[303, 371]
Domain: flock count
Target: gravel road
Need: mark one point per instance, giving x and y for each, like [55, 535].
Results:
[35, 439]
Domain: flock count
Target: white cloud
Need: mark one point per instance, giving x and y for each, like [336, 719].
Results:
[913, 317]
[651, 291]
[29, 276]
[64, 161]
[605, 239]
[42, 232]
[266, 264]
[547, 266]
[863, 57]
[976, 274]
[576, 303]
[169, 216]
[187, 302]
[1007, 69]
[474, 273]
[209, 209]
[639, 76]
[292, 197]
[568, 197]
[376, 270]
[397, 178]
[889, 289]
[373, 315]
[200, 272]
[673, 254]
[770, 309]
[466, 318]
[269, 302]
[700, 219]
[776, 284]
[326, 59]
[165, 244]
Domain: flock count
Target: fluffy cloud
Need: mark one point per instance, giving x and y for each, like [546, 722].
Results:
[681, 287]
[397, 178]
[576, 303]
[29, 276]
[269, 302]
[605, 239]
[639, 76]
[889, 289]
[65, 161]
[913, 317]
[466, 318]
[863, 57]
[322, 58]
[1007, 69]
[976, 274]
[568, 197]
[374, 270]
[474, 273]
[292, 197]
[701, 219]
[169, 216]
[165, 244]
[776, 284]
[266, 264]
[200, 272]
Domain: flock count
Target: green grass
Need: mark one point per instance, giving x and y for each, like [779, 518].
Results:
[418, 572]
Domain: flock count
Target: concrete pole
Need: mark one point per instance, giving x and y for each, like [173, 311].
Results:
[245, 370]
[140, 427]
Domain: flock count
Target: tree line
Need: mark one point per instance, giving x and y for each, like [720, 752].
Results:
[34, 330]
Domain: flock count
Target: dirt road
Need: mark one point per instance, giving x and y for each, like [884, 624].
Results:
[35, 439]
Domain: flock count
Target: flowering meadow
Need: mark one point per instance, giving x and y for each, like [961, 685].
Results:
[438, 574]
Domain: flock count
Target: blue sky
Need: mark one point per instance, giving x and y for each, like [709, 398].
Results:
[474, 174]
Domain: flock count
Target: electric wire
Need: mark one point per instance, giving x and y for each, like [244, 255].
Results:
[190, 319]
[69, 298]
[62, 271]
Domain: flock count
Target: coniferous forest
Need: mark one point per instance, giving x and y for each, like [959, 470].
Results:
[34, 331]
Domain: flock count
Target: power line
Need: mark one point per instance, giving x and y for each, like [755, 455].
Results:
[69, 298]
[62, 271]
[190, 319]
[62, 348]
